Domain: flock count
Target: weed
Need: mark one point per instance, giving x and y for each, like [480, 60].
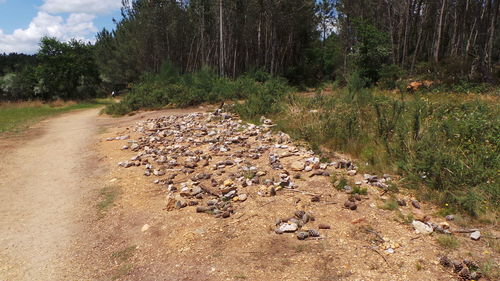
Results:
[108, 196]
[300, 248]
[390, 204]
[125, 254]
[449, 242]
[490, 269]
[406, 219]
[360, 190]
[418, 266]
[339, 184]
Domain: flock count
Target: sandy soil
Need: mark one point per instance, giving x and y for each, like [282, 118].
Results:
[43, 183]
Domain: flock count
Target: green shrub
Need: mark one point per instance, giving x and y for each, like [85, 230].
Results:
[389, 76]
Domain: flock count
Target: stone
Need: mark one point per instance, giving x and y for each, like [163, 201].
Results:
[324, 226]
[204, 209]
[445, 261]
[351, 173]
[313, 233]
[228, 183]
[415, 204]
[145, 228]
[476, 235]
[242, 197]
[402, 203]
[288, 227]
[465, 273]
[302, 235]
[180, 204]
[450, 217]
[297, 166]
[422, 228]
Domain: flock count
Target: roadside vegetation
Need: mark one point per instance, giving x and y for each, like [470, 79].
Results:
[17, 116]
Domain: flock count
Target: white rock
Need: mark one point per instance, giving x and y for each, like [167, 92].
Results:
[288, 227]
[421, 227]
[145, 228]
[476, 235]
[351, 173]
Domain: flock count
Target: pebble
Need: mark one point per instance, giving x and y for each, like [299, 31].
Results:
[351, 173]
[324, 226]
[302, 235]
[476, 235]
[145, 228]
[415, 204]
[288, 227]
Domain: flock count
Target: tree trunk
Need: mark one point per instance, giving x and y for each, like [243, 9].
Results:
[439, 31]
[491, 40]
[221, 43]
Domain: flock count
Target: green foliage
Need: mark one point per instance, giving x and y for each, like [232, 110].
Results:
[168, 87]
[266, 99]
[390, 204]
[66, 70]
[59, 70]
[390, 74]
[371, 50]
[360, 190]
[450, 146]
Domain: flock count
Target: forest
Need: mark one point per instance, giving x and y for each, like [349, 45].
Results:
[305, 41]
[365, 53]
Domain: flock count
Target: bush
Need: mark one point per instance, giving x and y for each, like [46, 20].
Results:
[389, 76]
[168, 87]
[450, 147]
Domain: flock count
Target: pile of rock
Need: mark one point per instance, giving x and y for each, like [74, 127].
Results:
[208, 159]
[466, 269]
[295, 223]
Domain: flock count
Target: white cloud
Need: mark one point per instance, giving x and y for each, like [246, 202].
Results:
[77, 25]
[80, 6]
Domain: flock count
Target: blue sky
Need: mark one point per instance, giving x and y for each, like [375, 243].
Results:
[24, 22]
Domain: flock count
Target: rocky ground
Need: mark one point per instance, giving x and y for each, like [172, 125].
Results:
[205, 196]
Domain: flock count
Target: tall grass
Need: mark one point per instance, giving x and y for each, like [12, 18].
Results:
[450, 148]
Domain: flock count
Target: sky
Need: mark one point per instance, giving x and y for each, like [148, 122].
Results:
[24, 22]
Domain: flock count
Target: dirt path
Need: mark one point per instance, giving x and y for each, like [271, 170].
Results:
[42, 187]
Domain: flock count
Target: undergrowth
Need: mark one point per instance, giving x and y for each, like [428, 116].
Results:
[448, 150]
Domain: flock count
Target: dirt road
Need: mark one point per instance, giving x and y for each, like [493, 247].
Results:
[43, 186]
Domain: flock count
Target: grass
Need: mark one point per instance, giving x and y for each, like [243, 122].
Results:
[405, 219]
[390, 205]
[449, 242]
[490, 269]
[15, 117]
[445, 146]
[125, 254]
[107, 197]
